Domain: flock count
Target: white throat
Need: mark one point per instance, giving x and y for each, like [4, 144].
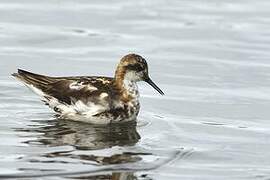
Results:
[130, 85]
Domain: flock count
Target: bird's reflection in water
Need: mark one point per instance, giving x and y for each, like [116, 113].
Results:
[86, 137]
[113, 176]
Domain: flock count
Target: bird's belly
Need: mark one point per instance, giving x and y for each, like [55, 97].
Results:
[106, 118]
[85, 118]
[97, 114]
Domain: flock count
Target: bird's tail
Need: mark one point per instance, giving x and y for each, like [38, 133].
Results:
[36, 80]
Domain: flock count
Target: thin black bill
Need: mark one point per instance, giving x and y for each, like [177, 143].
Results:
[149, 81]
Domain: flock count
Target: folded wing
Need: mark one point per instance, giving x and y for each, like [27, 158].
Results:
[80, 94]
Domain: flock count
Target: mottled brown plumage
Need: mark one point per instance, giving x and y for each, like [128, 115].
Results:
[93, 99]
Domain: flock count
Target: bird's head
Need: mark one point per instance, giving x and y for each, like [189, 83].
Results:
[134, 68]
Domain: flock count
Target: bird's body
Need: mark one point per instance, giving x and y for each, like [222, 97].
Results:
[93, 99]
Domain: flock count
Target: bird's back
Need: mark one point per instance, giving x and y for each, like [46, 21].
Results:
[73, 97]
[67, 89]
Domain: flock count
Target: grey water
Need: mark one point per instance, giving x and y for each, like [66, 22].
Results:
[211, 58]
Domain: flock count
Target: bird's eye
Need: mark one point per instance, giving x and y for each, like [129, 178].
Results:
[135, 67]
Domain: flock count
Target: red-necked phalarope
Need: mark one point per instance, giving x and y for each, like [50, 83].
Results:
[93, 99]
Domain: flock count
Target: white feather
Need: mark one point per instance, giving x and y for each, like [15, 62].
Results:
[35, 90]
[80, 85]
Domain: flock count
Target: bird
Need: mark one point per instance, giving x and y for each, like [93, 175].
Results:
[93, 99]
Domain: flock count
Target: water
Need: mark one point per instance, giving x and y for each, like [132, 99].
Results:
[211, 58]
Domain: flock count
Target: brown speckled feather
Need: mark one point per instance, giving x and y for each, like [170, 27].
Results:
[59, 87]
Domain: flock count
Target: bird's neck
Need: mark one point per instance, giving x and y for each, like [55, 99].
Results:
[130, 87]
[127, 86]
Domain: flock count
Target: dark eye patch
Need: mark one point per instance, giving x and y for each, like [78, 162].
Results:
[135, 67]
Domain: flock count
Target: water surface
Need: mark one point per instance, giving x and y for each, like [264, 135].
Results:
[211, 58]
